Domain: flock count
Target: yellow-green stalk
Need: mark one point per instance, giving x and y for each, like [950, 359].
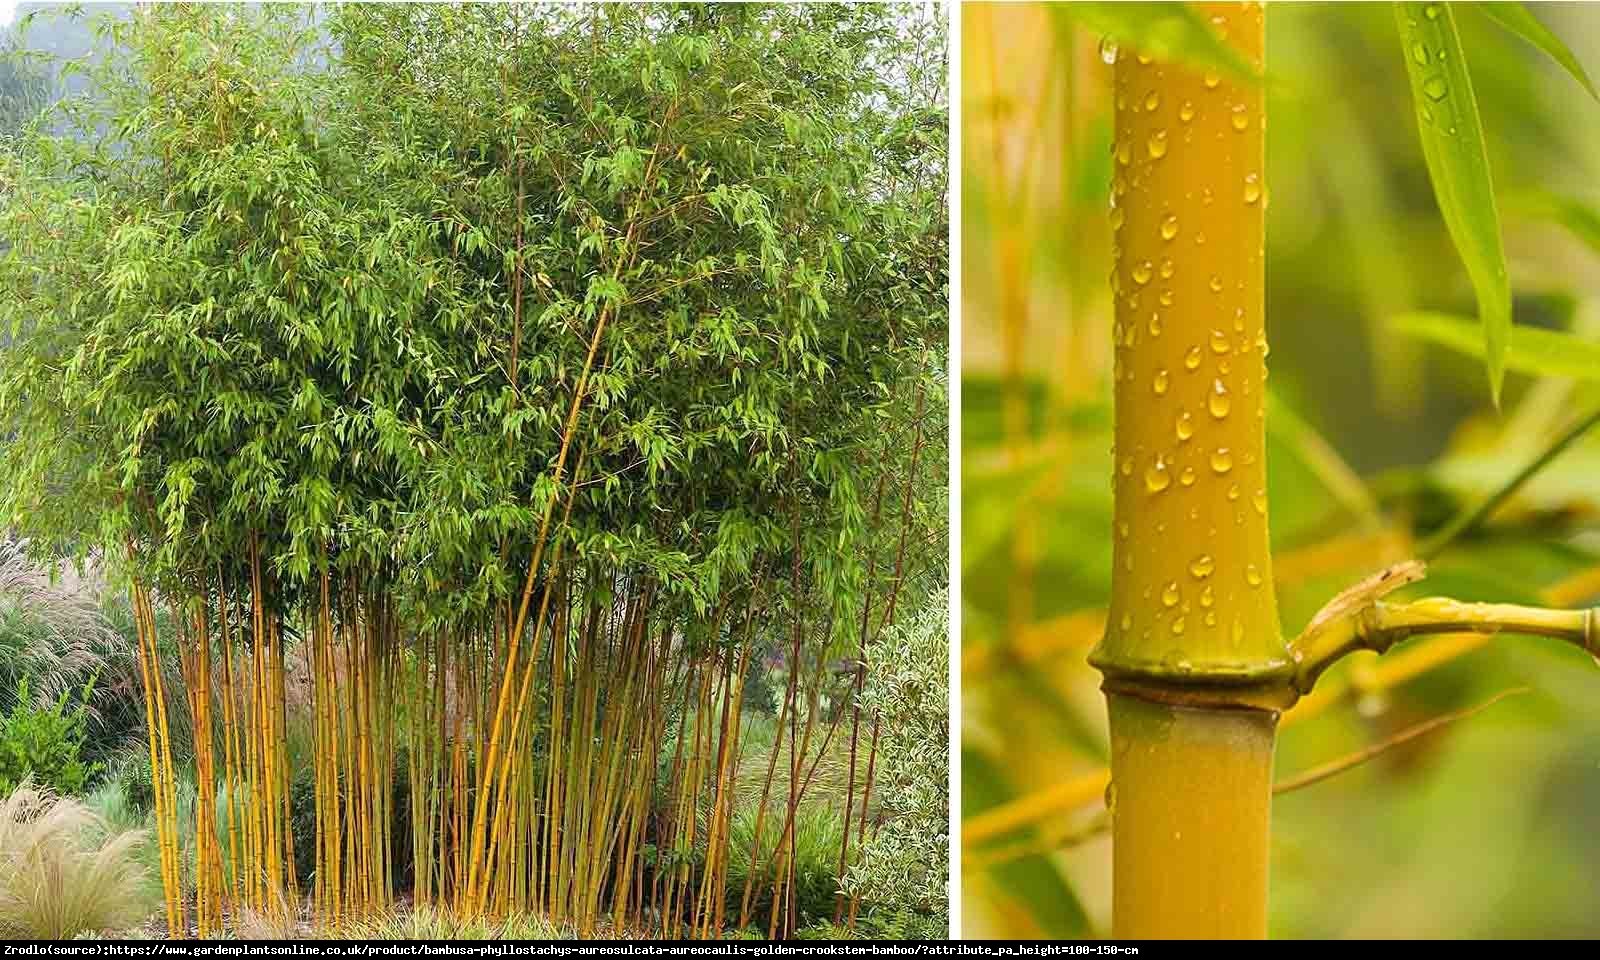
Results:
[1193, 630]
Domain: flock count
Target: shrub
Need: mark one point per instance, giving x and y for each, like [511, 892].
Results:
[905, 867]
[44, 743]
[63, 871]
[818, 833]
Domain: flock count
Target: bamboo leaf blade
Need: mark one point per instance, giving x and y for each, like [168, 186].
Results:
[1531, 350]
[1516, 18]
[1457, 157]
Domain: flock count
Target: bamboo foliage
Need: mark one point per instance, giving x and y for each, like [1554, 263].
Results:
[487, 393]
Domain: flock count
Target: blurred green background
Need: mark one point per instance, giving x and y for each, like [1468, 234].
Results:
[1488, 828]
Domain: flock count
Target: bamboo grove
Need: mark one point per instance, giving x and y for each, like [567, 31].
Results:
[502, 389]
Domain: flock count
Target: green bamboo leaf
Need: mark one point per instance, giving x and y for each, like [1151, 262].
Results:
[1545, 353]
[1577, 217]
[1166, 31]
[1516, 18]
[1458, 165]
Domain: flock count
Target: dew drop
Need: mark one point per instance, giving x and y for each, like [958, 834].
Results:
[1169, 226]
[1436, 89]
[1186, 112]
[1127, 466]
[1171, 595]
[1117, 218]
[1141, 272]
[1122, 529]
[1152, 100]
[1127, 622]
[1207, 598]
[1219, 401]
[1108, 50]
[1166, 298]
[1155, 324]
[1157, 145]
[1191, 359]
[1177, 626]
[1252, 576]
[1211, 618]
[1219, 342]
[1212, 78]
[1187, 477]
[1185, 426]
[1156, 478]
[1238, 319]
[1160, 382]
[1202, 566]
[1124, 157]
[1215, 284]
[1419, 53]
[1167, 268]
[1241, 118]
[1259, 498]
[1144, 59]
[1431, 11]
[1221, 460]
[1252, 188]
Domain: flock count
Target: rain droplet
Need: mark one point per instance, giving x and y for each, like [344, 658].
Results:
[1252, 188]
[1166, 298]
[1187, 477]
[1155, 324]
[1177, 625]
[1221, 460]
[1436, 89]
[1167, 268]
[1431, 11]
[1202, 566]
[1144, 59]
[1185, 427]
[1156, 478]
[1127, 622]
[1252, 576]
[1171, 595]
[1117, 218]
[1241, 119]
[1127, 466]
[1160, 382]
[1192, 358]
[1169, 226]
[1157, 145]
[1152, 100]
[1141, 272]
[1124, 157]
[1207, 598]
[1259, 498]
[1215, 284]
[1219, 342]
[1238, 319]
[1212, 79]
[1219, 401]
[1186, 112]
[1211, 618]
[1108, 49]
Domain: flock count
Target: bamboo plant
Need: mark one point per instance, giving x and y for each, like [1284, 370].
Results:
[491, 413]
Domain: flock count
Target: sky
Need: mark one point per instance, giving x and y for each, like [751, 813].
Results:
[8, 9]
